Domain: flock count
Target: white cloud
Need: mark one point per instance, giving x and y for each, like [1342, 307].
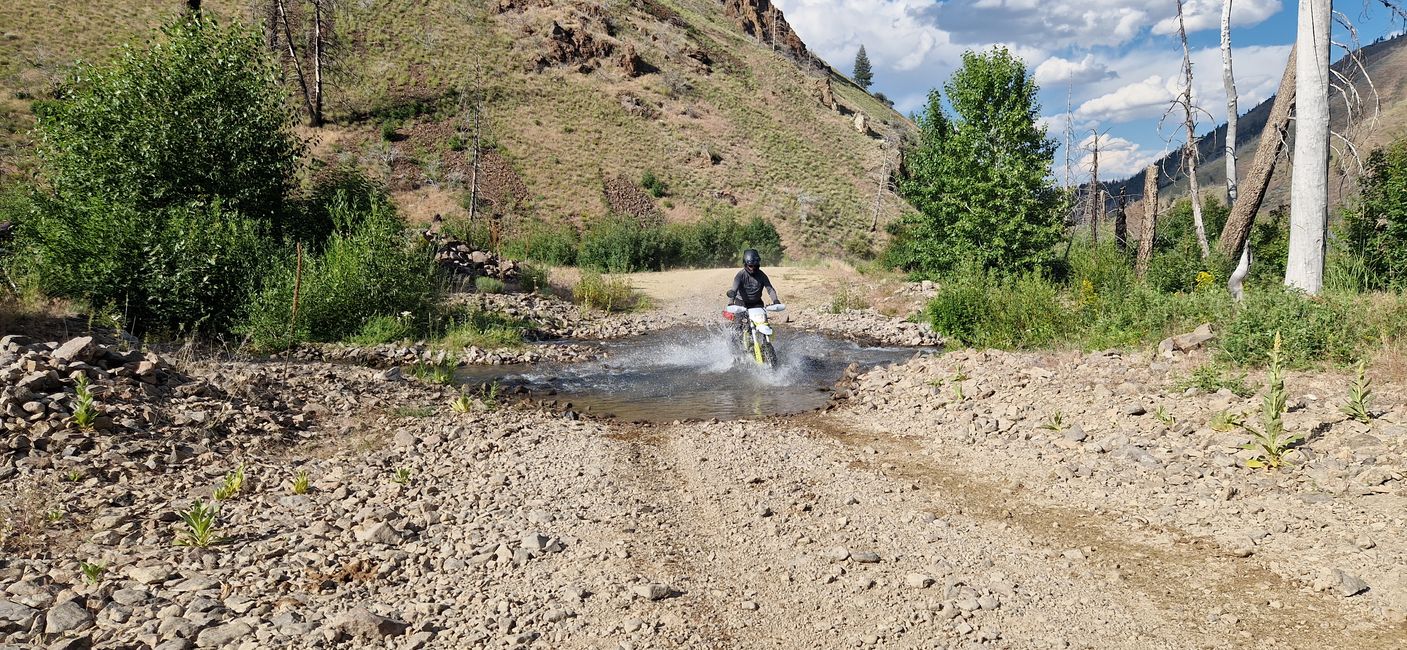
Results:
[891, 31]
[1141, 99]
[1206, 14]
[1053, 23]
[1056, 70]
[1118, 158]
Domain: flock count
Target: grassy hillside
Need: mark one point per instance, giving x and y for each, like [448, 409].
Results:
[575, 93]
[1372, 126]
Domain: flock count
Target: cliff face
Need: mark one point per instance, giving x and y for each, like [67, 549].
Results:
[764, 21]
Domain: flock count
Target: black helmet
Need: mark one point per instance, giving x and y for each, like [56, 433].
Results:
[751, 258]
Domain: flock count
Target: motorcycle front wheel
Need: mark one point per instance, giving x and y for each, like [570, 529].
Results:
[769, 355]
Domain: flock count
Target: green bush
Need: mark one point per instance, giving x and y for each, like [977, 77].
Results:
[1270, 248]
[554, 245]
[383, 329]
[980, 309]
[366, 269]
[623, 245]
[1375, 227]
[1314, 329]
[604, 292]
[1178, 228]
[345, 184]
[532, 278]
[654, 185]
[481, 328]
[485, 284]
[178, 268]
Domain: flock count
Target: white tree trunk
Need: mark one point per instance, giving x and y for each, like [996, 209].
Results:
[1228, 77]
[1309, 187]
[1191, 151]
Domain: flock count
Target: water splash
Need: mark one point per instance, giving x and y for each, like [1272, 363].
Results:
[697, 373]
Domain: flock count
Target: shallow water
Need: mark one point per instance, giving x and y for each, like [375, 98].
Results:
[693, 373]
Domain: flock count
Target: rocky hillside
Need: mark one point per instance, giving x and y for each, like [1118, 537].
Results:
[1384, 62]
[718, 99]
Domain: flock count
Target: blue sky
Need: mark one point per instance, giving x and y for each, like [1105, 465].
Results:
[1118, 61]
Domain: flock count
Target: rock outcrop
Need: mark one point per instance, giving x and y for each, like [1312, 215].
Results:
[764, 21]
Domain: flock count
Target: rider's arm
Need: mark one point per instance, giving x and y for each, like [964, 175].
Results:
[767, 282]
[738, 288]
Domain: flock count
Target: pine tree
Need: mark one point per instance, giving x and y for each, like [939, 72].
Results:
[863, 75]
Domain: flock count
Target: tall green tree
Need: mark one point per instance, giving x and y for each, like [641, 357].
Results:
[1375, 227]
[863, 75]
[162, 175]
[980, 179]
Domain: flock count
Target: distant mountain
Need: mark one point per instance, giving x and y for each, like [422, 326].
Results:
[717, 99]
[1386, 65]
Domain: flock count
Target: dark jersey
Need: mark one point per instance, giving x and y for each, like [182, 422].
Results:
[749, 288]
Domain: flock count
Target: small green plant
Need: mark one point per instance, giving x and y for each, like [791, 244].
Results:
[960, 374]
[1272, 441]
[1211, 377]
[1224, 421]
[461, 404]
[1161, 414]
[486, 284]
[654, 185]
[74, 476]
[1056, 422]
[435, 373]
[1360, 396]
[85, 409]
[388, 130]
[846, 300]
[201, 521]
[402, 476]
[92, 572]
[413, 411]
[300, 482]
[54, 516]
[232, 485]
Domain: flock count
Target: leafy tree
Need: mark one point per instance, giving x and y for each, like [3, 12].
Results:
[162, 175]
[980, 180]
[863, 75]
[1375, 229]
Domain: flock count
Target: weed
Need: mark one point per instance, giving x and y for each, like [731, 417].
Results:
[402, 476]
[606, 293]
[1211, 377]
[654, 185]
[300, 482]
[1224, 421]
[435, 373]
[201, 521]
[486, 284]
[462, 404]
[85, 410]
[74, 476]
[960, 374]
[1161, 414]
[54, 516]
[1056, 422]
[232, 485]
[1360, 396]
[92, 572]
[846, 300]
[1272, 441]
[384, 329]
[412, 411]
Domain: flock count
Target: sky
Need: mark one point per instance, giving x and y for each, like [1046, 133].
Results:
[1118, 63]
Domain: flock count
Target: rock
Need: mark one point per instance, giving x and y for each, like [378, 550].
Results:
[1075, 433]
[1135, 409]
[78, 349]
[652, 591]
[150, 574]
[865, 557]
[222, 635]
[391, 374]
[1189, 341]
[66, 617]
[918, 580]
[73, 643]
[1339, 582]
[15, 617]
[361, 622]
[837, 554]
[378, 532]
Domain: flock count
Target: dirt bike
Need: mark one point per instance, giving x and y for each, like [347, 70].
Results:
[755, 333]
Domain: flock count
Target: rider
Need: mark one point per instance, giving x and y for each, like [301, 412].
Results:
[749, 283]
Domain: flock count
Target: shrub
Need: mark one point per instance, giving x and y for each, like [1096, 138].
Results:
[383, 329]
[1314, 329]
[604, 292]
[532, 278]
[367, 269]
[654, 185]
[481, 328]
[979, 309]
[555, 245]
[485, 284]
[622, 245]
[1376, 225]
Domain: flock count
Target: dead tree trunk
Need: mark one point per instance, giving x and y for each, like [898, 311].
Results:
[1096, 196]
[282, 12]
[1228, 77]
[1191, 122]
[1121, 222]
[1309, 184]
[321, 31]
[1148, 228]
[1272, 140]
